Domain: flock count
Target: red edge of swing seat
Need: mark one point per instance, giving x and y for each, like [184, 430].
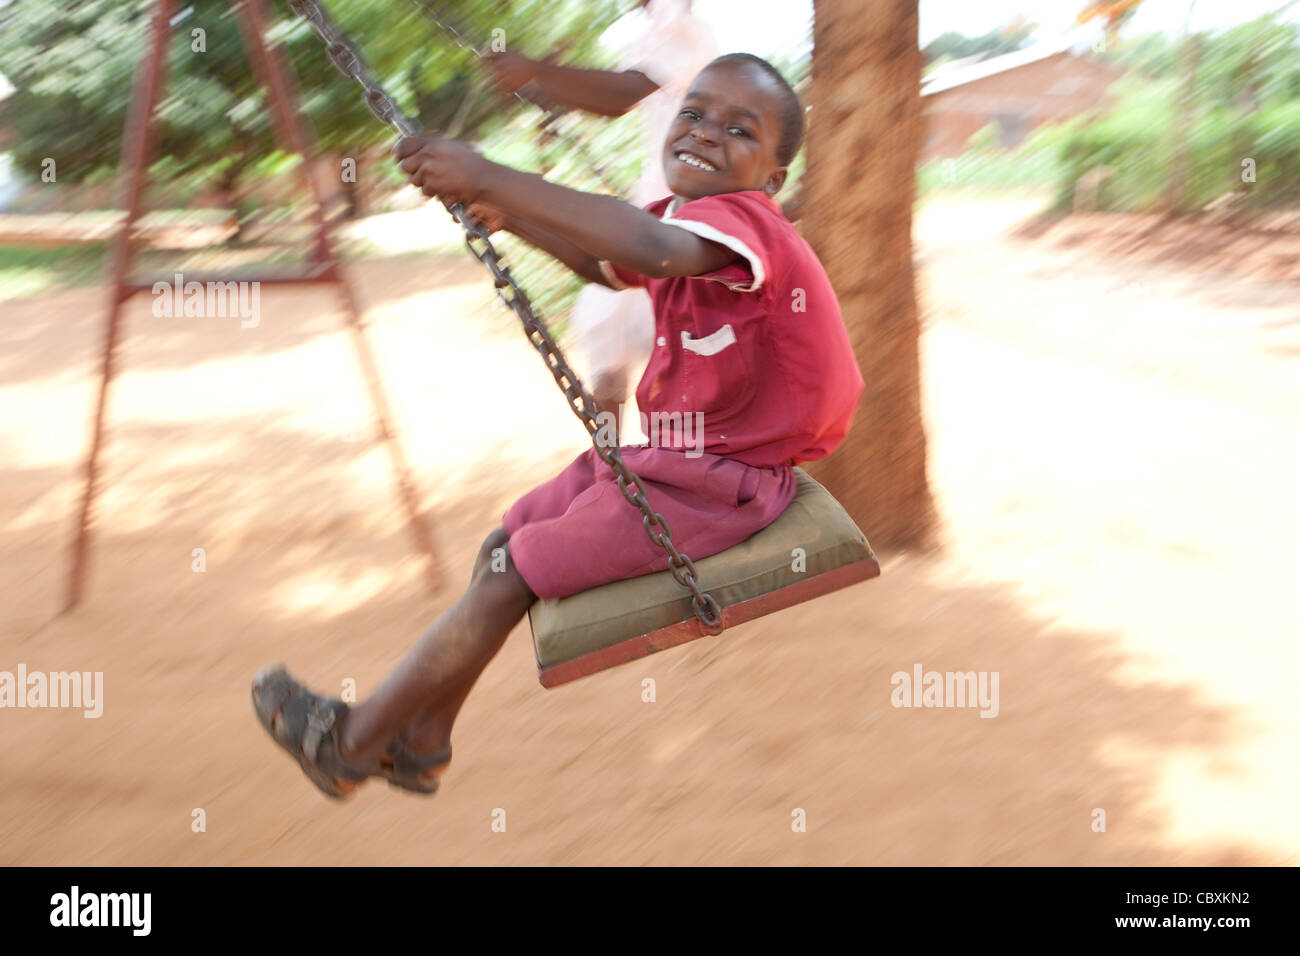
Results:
[689, 630]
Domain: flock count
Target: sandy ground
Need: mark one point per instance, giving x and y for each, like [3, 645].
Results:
[1116, 449]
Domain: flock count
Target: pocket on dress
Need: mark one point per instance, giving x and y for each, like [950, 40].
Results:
[718, 372]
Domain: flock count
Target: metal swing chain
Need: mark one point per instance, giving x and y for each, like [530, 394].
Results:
[346, 58]
[547, 124]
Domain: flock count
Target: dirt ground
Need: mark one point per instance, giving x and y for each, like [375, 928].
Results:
[1115, 449]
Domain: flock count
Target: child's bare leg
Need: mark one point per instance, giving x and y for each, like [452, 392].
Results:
[430, 729]
[445, 662]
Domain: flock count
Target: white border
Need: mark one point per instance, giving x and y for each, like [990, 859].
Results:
[705, 231]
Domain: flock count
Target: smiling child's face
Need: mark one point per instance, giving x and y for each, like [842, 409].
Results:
[726, 134]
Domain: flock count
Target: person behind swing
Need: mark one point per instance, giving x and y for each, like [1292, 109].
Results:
[748, 336]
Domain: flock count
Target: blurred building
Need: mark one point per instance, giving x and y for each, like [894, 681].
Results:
[1015, 92]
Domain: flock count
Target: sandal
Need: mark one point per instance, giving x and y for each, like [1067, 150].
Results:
[303, 723]
[405, 769]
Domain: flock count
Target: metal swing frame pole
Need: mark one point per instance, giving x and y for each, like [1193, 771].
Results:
[138, 145]
[137, 148]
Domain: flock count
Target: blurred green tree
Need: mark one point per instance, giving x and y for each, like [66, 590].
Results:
[72, 65]
[1008, 38]
[1193, 110]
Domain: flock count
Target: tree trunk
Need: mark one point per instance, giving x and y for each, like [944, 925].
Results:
[863, 139]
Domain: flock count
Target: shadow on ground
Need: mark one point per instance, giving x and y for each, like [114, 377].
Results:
[792, 712]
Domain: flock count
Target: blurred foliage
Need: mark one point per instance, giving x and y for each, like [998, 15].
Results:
[28, 271]
[1259, 60]
[1007, 38]
[1246, 105]
[986, 164]
[72, 64]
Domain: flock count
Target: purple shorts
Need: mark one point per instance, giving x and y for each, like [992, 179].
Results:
[577, 531]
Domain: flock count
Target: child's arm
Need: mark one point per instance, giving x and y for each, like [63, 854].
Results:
[584, 264]
[603, 92]
[604, 227]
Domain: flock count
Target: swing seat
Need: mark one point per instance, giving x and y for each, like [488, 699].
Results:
[626, 620]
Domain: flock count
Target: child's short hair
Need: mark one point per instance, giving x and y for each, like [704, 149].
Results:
[791, 108]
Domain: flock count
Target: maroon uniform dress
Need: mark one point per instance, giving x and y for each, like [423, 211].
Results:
[751, 373]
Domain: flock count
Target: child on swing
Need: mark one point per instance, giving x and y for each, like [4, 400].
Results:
[748, 335]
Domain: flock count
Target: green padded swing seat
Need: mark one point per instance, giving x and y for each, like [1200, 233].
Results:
[620, 622]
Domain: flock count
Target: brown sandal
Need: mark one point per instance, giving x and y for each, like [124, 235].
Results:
[406, 770]
[303, 724]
